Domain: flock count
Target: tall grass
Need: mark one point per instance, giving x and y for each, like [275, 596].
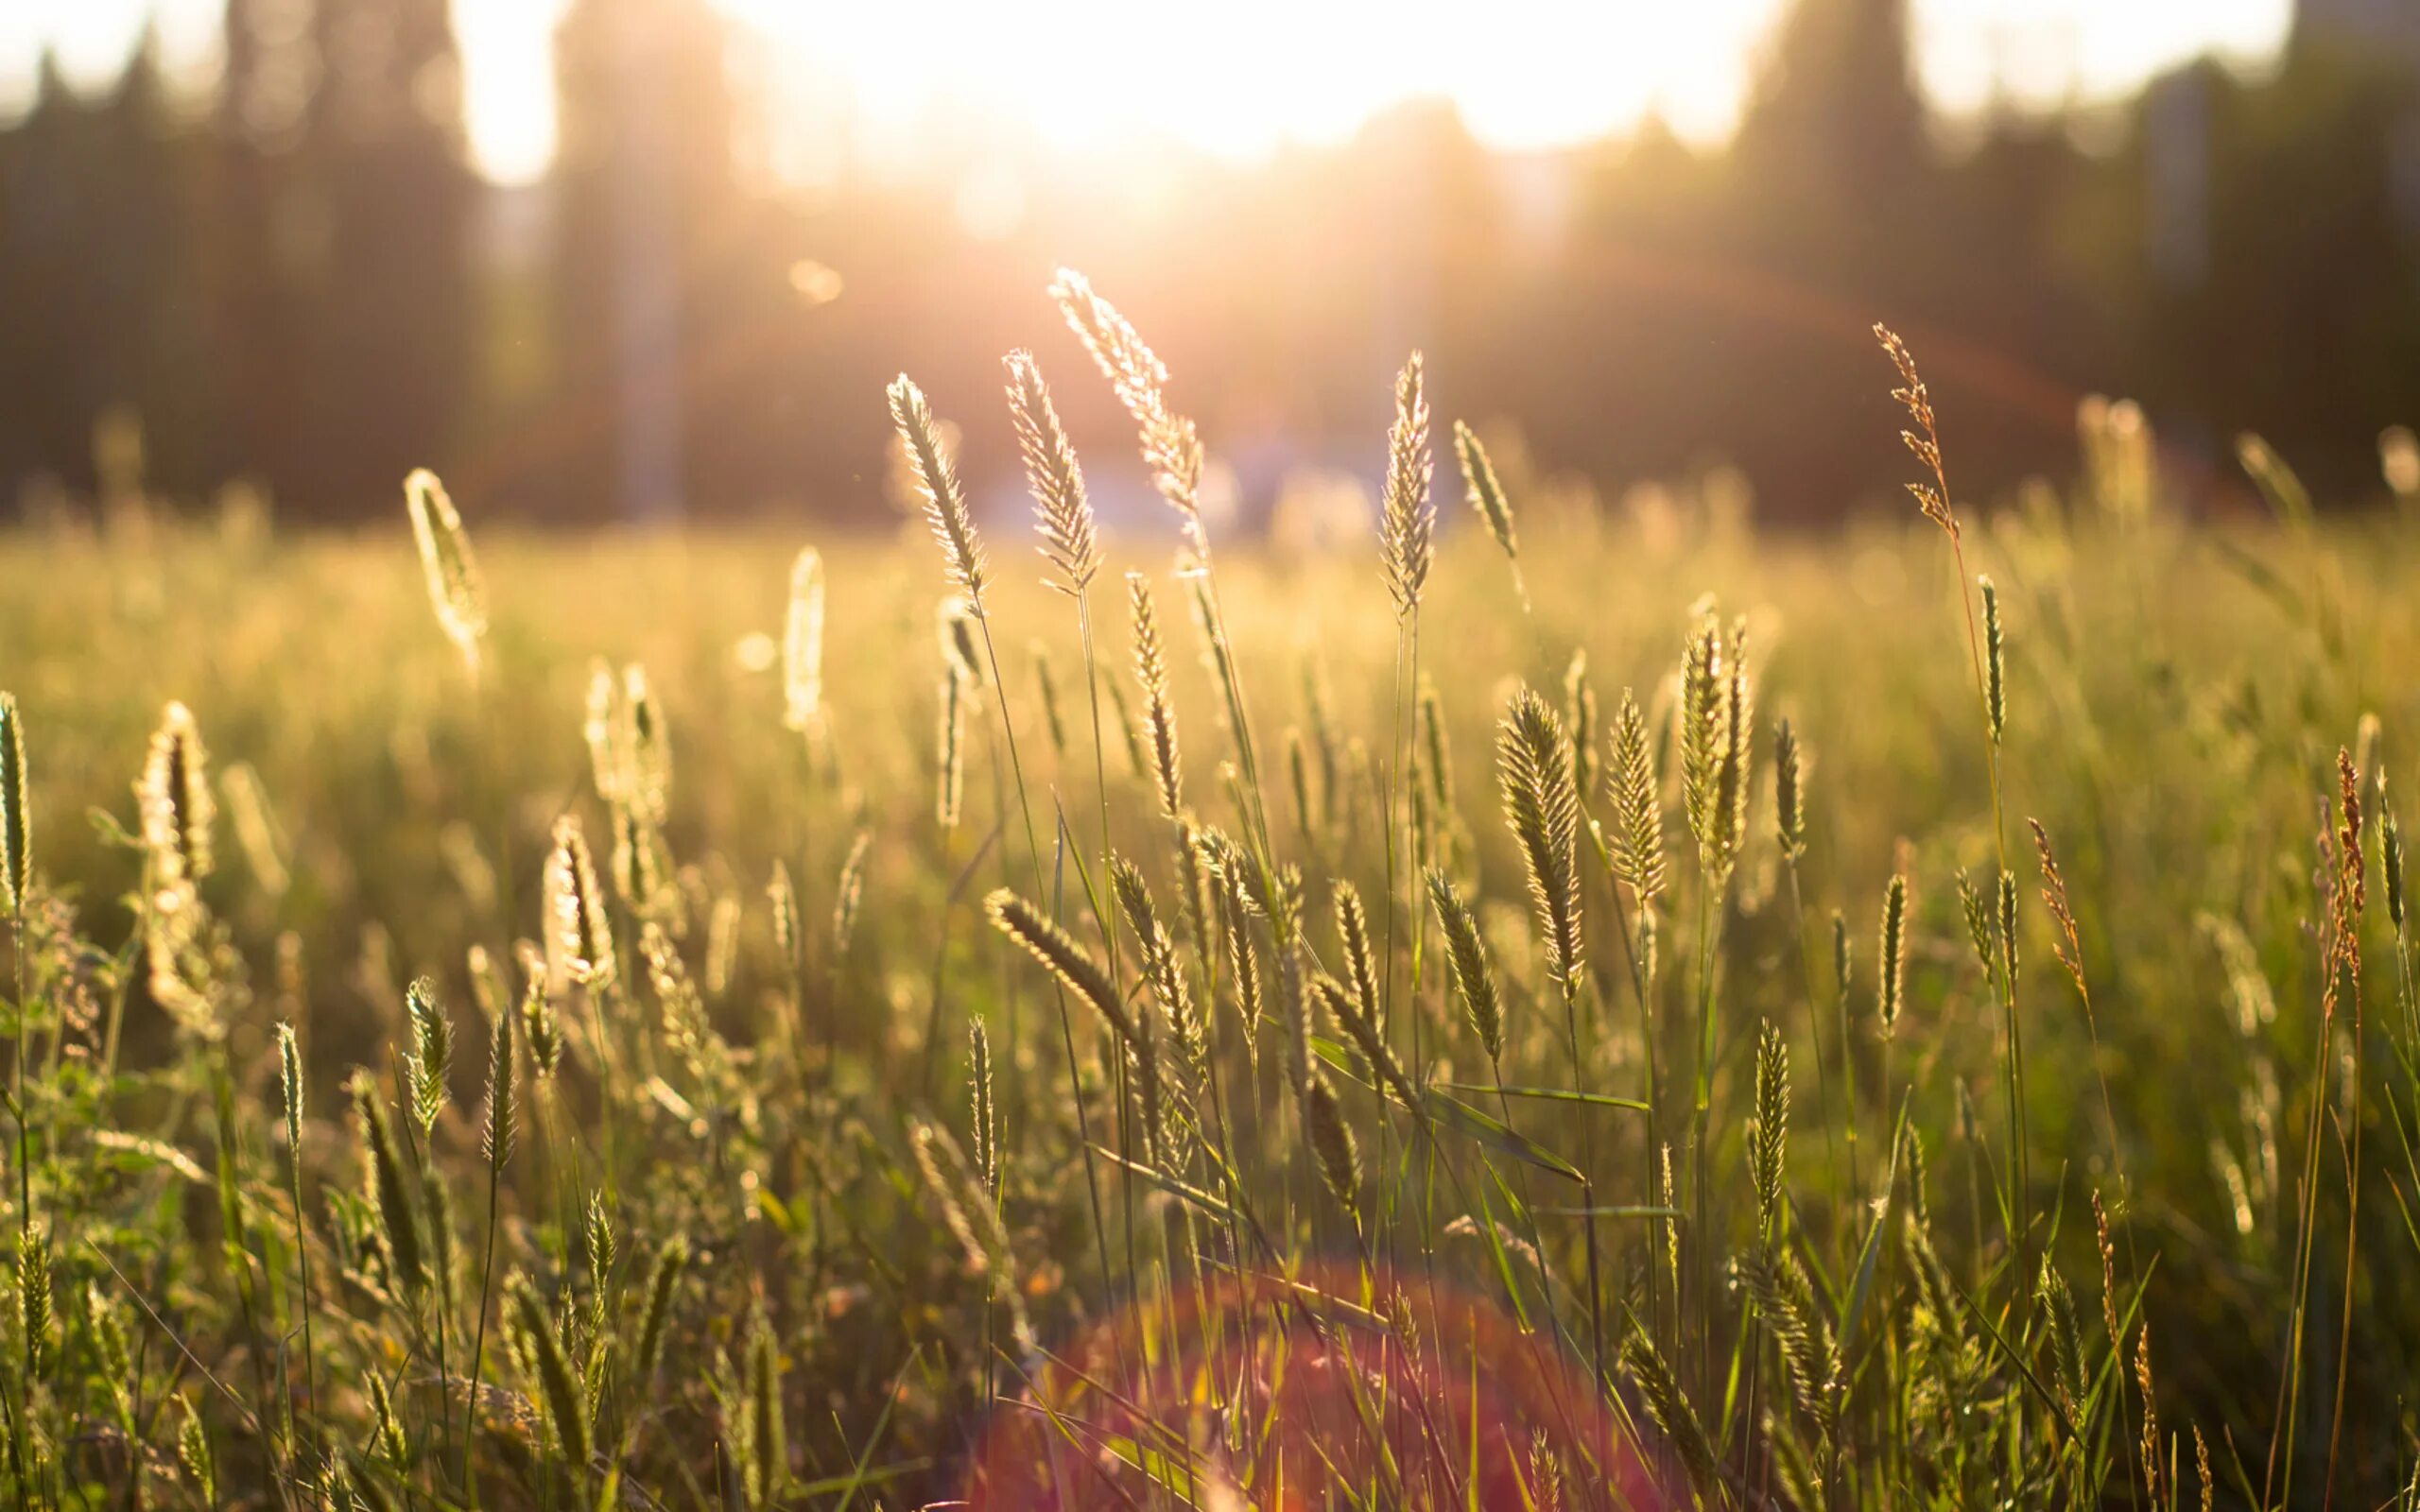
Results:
[1378, 1153]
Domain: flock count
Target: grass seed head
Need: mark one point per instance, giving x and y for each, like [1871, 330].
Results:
[1891, 982]
[455, 588]
[1408, 514]
[1485, 491]
[946, 507]
[1070, 539]
[1534, 765]
[16, 810]
[802, 643]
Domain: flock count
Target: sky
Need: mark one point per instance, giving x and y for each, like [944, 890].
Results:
[1093, 74]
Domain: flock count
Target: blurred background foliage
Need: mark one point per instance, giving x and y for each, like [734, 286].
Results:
[295, 277]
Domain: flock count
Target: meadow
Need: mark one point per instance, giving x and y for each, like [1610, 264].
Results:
[1532, 1002]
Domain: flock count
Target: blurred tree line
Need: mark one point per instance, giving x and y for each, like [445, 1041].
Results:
[301, 282]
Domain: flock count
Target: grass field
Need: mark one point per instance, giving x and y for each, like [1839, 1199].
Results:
[1480, 1060]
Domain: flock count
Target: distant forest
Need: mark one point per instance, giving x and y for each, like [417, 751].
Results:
[298, 282]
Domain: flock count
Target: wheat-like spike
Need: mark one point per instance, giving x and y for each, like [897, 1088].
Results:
[1045, 688]
[1994, 659]
[972, 1216]
[949, 790]
[2006, 912]
[501, 1122]
[1070, 540]
[256, 832]
[1546, 1472]
[1360, 1026]
[1705, 686]
[1893, 968]
[1638, 805]
[596, 1236]
[1979, 922]
[984, 1114]
[1331, 1142]
[648, 740]
[1534, 764]
[540, 1026]
[1162, 969]
[1579, 715]
[1159, 712]
[1058, 951]
[16, 813]
[2391, 861]
[289, 1075]
[2155, 1470]
[664, 1282]
[955, 621]
[1841, 967]
[431, 1057]
[637, 862]
[945, 504]
[1466, 957]
[783, 899]
[765, 1475]
[1730, 809]
[176, 801]
[1352, 929]
[2058, 1311]
[558, 1388]
[1171, 447]
[385, 1189]
[1785, 1301]
[1408, 514]
[455, 589]
[1789, 795]
[1924, 441]
[1769, 1130]
[606, 727]
[2350, 855]
[579, 941]
[686, 1029]
[193, 1451]
[847, 895]
[2065, 943]
[34, 1296]
[802, 643]
[1669, 1407]
[1235, 924]
[1486, 492]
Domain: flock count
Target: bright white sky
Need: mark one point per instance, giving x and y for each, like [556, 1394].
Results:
[1525, 73]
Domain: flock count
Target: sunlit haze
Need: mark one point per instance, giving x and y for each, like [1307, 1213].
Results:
[1256, 74]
